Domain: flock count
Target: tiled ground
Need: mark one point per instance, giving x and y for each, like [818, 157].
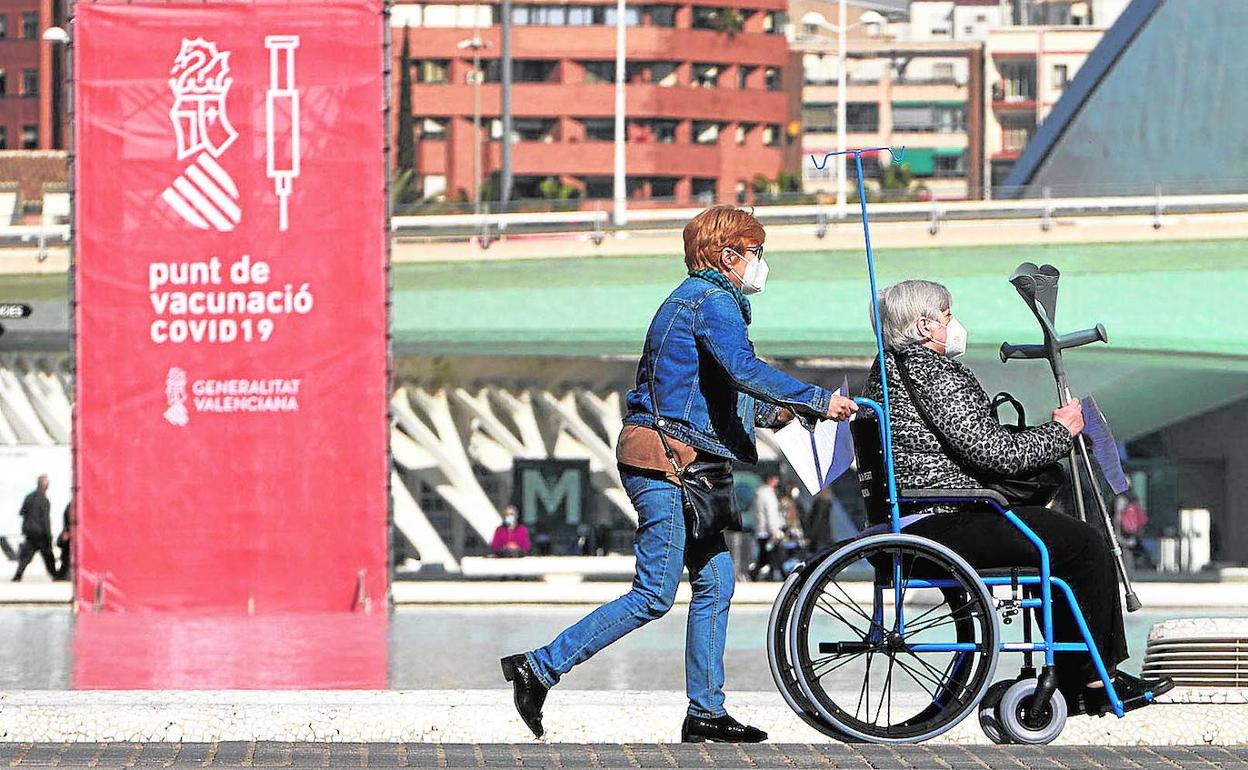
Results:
[612, 756]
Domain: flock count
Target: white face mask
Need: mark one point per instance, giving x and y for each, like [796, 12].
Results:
[955, 338]
[755, 277]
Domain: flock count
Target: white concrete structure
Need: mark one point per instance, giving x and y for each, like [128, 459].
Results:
[449, 441]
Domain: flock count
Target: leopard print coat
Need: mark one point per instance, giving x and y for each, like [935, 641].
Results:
[977, 446]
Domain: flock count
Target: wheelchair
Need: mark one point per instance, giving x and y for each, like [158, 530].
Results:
[894, 638]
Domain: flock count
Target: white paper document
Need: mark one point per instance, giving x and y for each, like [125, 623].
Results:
[820, 456]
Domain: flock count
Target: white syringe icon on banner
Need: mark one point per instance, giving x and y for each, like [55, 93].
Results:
[281, 119]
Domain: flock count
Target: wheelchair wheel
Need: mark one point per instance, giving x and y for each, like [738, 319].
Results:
[886, 670]
[1012, 715]
[988, 712]
[778, 650]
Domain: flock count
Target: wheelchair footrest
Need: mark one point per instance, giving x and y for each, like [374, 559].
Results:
[1102, 708]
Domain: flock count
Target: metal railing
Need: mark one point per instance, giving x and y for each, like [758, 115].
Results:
[592, 218]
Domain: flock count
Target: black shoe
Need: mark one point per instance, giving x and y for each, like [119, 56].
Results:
[1133, 691]
[530, 693]
[723, 729]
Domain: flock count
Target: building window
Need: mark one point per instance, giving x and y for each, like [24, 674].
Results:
[4, 26]
[4, 137]
[542, 15]
[661, 15]
[663, 73]
[1018, 82]
[585, 15]
[661, 131]
[522, 70]
[771, 79]
[1061, 76]
[599, 129]
[942, 72]
[433, 128]
[30, 82]
[819, 116]
[703, 187]
[771, 135]
[599, 187]
[30, 25]
[632, 16]
[743, 131]
[599, 71]
[705, 75]
[30, 137]
[938, 118]
[705, 132]
[4, 83]
[660, 73]
[945, 166]
[704, 17]
[862, 117]
[774, 21]
[445, 16]
[664, 131]
[433, 70]
[819, 70]
[663, 187]
[743, 75]
[534, 129]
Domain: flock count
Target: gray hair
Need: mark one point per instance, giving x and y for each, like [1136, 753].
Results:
[903, 304]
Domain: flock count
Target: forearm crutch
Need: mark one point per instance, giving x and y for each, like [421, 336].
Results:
[1038, 288]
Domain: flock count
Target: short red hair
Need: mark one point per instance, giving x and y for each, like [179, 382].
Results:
[717, 227]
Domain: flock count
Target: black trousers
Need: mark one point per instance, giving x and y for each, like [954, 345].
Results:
[1078, 553]
[769, 554]
[27, 552]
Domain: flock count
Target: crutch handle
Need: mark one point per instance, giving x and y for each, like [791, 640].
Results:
[1009, 351]
[1084, 337]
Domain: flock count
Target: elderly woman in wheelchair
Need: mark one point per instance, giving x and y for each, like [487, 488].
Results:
[913, 658]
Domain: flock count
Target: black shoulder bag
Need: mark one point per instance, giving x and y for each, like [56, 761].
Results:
[1038, 487]
[710, 501]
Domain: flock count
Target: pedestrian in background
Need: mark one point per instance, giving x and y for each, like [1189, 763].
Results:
[36, 530]
[768, 528]
[511, 539]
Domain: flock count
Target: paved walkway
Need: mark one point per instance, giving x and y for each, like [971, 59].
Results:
[611, 756]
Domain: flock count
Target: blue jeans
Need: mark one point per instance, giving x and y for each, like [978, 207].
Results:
[662, 554]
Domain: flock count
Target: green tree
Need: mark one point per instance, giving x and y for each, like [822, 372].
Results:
[405, 147]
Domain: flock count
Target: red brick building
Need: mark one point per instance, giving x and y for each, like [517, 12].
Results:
[32, 77]
[707, 110]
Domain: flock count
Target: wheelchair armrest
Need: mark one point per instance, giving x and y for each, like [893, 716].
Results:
[954, 494]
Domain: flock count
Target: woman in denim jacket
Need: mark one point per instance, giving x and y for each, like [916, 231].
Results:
[712, 392]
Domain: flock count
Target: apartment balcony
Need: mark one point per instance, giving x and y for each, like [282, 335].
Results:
[1014, 105]
[590, 100]
[598, 42]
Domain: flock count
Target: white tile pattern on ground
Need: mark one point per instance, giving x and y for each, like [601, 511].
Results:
[488, 716]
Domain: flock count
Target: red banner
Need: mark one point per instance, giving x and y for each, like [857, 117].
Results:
[230, 304]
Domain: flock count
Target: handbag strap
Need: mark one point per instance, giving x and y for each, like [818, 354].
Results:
[658, 420]
[1007, 398]
[904, 370]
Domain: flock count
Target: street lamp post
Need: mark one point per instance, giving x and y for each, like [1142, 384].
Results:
[476, 44]
[619, 183]
[842, 26]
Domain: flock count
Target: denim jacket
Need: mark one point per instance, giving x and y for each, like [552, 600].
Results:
[711, 387]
